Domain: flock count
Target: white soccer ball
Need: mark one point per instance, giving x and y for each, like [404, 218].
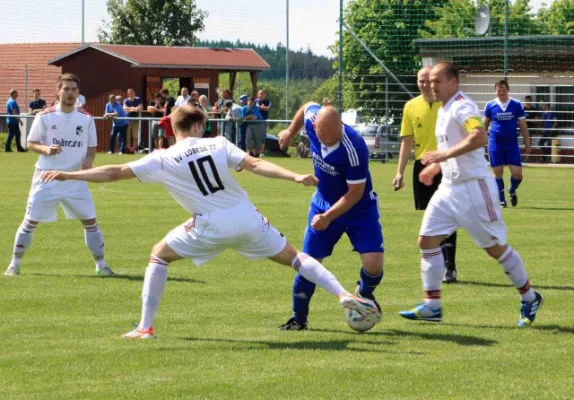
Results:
[358, 322]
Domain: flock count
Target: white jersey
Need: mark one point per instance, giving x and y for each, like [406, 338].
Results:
[450, 130]
[75, 132]
[196, 172]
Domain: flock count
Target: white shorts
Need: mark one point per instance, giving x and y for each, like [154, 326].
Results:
[243, 229]
[472, 206]
[43, 200]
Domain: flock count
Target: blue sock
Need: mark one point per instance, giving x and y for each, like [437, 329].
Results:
[500, 183]
[514, 183]
[368, 282]
[302, 292]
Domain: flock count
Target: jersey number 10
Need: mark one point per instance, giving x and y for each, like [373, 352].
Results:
[202, 183]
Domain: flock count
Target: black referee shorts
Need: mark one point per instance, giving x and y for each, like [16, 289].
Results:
[422, 192]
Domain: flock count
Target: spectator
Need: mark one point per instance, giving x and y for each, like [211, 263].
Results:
[255, 135]
[234, 116]
[169, 102]
[80, 102]
[218, 110]
[195, 99]
[184, 98]
[37, 104]
[133, 106]
[156, 107]
[204, 105]
[264, 105]
[13, 123]
[243, 99]
[165, 124]
[326, 102]
[549, 124]
[531, 112]
[114, 110]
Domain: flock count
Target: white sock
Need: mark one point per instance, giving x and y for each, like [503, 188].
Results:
[432, 272]
[313, 271]
[513, 267]
[95, 242]
[22, 241]
[153, 287]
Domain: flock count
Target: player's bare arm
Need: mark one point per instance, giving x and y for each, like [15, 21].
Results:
[525, 134]
[427, 175]
[40, 148]
[353, 196]
[404, 154]
[270, 170]
[90, 156]
[486, 123]
[107, 173]
[476, 138]
[286, 136]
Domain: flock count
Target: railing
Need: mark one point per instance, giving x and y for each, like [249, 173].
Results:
[381, 147]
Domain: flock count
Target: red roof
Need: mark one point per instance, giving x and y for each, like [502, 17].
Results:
[13, 61]
[179, 57]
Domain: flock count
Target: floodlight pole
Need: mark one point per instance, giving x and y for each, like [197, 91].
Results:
[340, 88]
[506, 22]
[287, 62]
[83, 18]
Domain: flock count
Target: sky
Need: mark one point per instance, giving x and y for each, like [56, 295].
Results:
[313, 23]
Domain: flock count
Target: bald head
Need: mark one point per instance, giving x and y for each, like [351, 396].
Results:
[423, 82]
[444, 81]
[329, 126]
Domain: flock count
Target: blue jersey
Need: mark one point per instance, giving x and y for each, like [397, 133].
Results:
[504, 121]
[346, 162]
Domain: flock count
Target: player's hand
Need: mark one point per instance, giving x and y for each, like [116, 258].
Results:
[21, 123]
[53, 150]
[527, 149]
[285, 139]
[320, 222]
[51, 176]
[87, 165]
[434, 157]
[398, 182]
[307, 180]
[427, 175]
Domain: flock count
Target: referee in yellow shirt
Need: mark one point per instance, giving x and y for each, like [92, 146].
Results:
[418, 129]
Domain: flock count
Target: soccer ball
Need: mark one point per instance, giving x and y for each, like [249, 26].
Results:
[358, 322]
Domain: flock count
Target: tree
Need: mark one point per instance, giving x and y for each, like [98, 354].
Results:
[152, 22]
[558, 19]
[389, 28]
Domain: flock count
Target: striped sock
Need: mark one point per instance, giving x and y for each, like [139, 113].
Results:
[315, 272]
[432, 272]
[513, 267]
[22, 241]
[95, 242]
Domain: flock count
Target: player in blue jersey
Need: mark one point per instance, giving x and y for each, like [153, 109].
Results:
[505, 114]
[343, 203]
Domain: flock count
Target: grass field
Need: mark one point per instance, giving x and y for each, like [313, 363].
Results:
[60, 325]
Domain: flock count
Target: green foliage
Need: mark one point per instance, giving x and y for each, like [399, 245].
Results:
[303, 64]
[558, 19]
[152, 22]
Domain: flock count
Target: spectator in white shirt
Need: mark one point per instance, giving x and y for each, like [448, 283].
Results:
[184, 98]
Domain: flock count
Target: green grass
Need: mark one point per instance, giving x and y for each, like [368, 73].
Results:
[60, 325]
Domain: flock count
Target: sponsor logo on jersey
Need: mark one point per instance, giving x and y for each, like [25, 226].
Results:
[79, 130]
[191, 151]
[323, 166]
[67, 143]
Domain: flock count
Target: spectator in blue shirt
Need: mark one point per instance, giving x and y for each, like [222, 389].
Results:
[133, 106]
[255, 133]
[115, 110]
[37, 104]
[549, 124]
[13, 123]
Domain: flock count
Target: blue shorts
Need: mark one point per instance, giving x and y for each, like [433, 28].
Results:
[507, 155]
[362, 227]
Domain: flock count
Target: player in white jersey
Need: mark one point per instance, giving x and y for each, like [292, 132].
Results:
[466, 198]
[65, 137]
[196, 172]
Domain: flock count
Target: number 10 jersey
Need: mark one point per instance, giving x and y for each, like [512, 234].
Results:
[196, 172]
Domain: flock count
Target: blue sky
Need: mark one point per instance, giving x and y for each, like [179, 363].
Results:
[313, 23]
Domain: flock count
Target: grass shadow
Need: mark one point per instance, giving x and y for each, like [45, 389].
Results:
[139, 278]
[550, 328]
[548, 208]
[328, 345]
[508, 285]
[463, 340]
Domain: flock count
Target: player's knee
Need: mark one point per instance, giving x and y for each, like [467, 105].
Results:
[430, 242]
[30, 222]
[496, 251]
[89, 221]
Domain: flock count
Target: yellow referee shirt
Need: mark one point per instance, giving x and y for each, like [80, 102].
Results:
[419, 119]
